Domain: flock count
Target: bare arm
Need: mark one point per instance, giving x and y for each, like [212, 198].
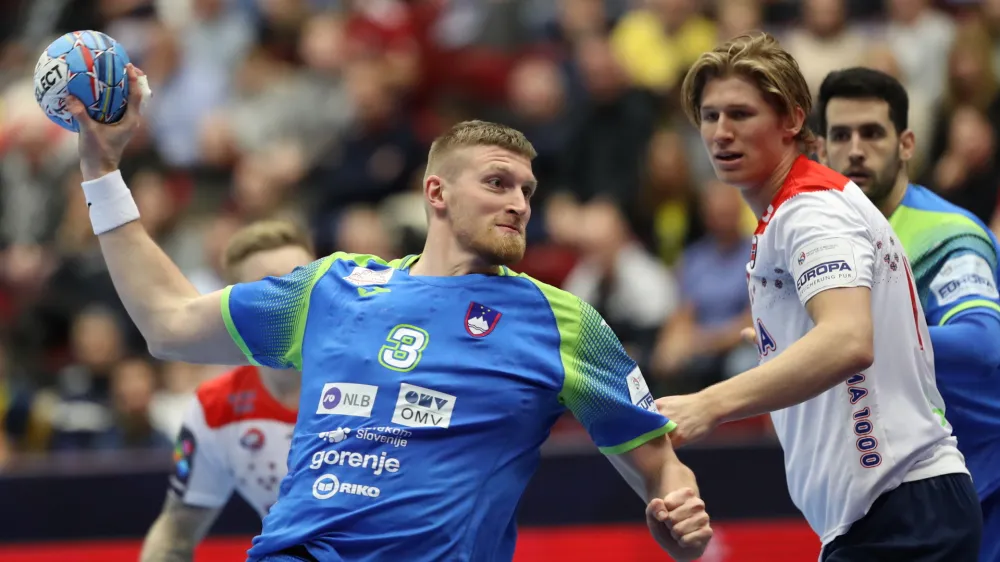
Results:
[675, 514]
[176, 321]
[653, 470]
[177, 531]
[839, 346]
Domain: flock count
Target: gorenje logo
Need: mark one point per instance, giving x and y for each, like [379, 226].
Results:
[328, 485]
[422, 407]
[377, 463]
[347, 399]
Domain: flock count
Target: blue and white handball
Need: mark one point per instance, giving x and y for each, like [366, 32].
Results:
[86, 64]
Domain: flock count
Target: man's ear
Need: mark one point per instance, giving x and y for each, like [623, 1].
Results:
[795, 122]
[434, 192]
[907, 145]
[821, 150]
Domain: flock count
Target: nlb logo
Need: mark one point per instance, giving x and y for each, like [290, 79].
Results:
[417, 406]
[328, 485]
[347, 399]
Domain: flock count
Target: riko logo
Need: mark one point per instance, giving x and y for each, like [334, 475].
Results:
[328, 485]
[347, 399]
[821, 270]
[417, 406]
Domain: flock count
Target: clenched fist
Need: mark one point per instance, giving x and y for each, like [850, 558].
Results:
[680, 524]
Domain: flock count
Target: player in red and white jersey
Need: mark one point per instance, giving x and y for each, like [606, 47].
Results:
[237, 431]
[847, 369]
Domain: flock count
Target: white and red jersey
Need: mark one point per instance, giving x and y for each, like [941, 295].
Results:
[883, 426]
[235, 436]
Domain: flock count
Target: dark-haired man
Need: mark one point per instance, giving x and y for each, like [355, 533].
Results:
[863, 122]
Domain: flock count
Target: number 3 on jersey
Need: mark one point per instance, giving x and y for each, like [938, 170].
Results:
[404, 347]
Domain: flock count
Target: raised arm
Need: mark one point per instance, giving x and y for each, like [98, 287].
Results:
[175, 320]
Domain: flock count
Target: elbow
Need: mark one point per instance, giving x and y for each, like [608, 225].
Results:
[857, 350]
[861, 355]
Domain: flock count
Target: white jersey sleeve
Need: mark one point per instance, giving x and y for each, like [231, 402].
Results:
[200, 477]
[826, 247]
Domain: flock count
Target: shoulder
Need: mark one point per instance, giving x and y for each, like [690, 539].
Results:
[574, 318]
[225, 398]
[929, 226]
[806, 195]
[923, 206]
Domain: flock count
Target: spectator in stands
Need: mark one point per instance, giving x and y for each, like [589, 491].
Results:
[659, 40]
[610, 133]
[631, 288]
[669, 199]
[701, 343]
[967, 122]
[735, 17]
[826, 42]
[920, 36]
[83, 411]
[132, 384]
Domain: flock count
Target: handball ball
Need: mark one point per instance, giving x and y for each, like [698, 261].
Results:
[86, 64]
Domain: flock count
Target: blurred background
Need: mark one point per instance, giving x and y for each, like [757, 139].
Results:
[322, 111]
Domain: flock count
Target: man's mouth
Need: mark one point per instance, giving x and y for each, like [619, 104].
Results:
[728, 157]
[510, 227]
[858, 176]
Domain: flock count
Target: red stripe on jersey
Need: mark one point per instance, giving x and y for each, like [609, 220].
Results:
[240, 395]
[805, 176]
[913, 303]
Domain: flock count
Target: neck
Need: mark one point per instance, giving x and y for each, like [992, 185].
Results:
[891, 202]
[760, 196]
[283, 385]
[444, 257]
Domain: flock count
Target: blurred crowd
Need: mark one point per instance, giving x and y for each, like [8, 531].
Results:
[322, 111]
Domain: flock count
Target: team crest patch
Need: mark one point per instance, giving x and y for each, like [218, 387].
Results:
[362, 276]
[253, 439]
[481, 320]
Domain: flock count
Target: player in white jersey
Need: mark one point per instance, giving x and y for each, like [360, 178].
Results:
[238, 428]
[846, 368]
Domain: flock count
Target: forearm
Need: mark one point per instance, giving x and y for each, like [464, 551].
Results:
[673, 476]
[967, 344]
[165, 543]
[177, 531]
[820, 360]
[150, 286]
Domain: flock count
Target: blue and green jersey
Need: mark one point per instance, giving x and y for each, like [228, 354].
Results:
[954, 258]
[425, 401]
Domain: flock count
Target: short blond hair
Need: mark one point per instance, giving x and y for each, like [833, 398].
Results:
[261, 236]
[760, 58]
[478, 133]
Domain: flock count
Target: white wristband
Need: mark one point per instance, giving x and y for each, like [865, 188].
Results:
[110, 201]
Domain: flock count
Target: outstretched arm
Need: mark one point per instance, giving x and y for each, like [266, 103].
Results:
[176, 321]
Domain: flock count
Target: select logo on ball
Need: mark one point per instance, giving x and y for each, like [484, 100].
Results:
[88, 65]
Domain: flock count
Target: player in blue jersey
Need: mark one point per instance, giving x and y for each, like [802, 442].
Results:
[428, 383]
[863, 117]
